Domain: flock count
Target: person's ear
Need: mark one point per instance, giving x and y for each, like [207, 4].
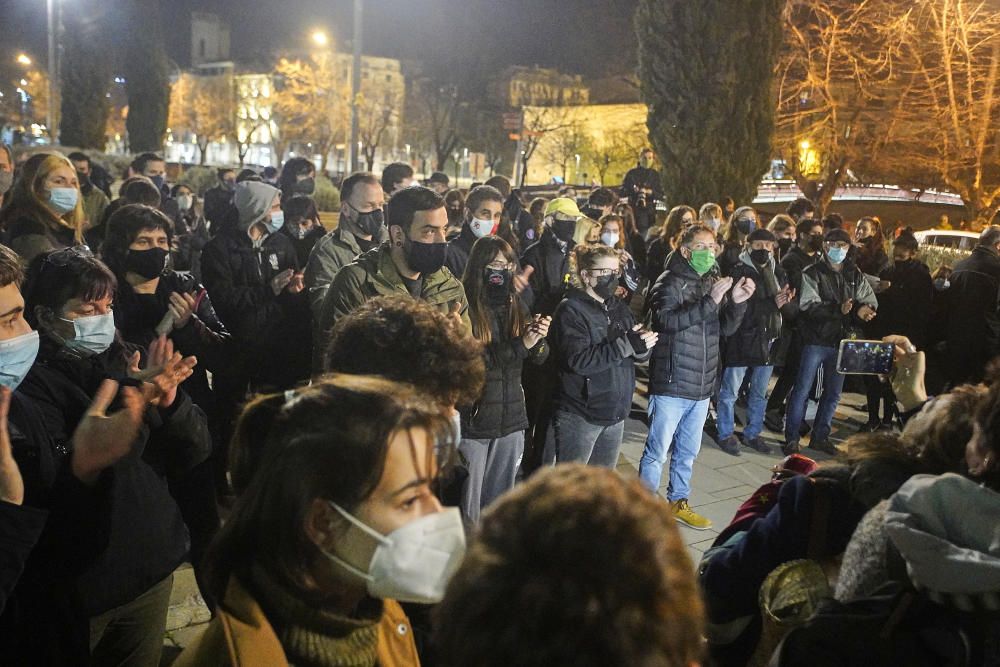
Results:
[397, 234]
[45, 317]
[322, 524]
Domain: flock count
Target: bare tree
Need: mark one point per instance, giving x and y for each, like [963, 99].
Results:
[437, 113]
[538, 122]
[563, 145]
[203, 107]
[375, 118]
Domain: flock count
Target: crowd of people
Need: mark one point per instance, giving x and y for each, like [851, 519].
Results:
[396, 442]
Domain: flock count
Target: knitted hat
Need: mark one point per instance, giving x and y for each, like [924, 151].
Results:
[837, 235]
[253, 202]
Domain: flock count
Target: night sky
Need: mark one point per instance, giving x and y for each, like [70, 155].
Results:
[591, 37]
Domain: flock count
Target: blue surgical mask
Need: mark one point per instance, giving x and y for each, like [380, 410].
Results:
[63, 200]
[16, 358]
[836, 255]
[277, 222]
[93, 334]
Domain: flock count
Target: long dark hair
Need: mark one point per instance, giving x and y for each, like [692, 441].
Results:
[674, 225]
[329, 441]
[483, 252]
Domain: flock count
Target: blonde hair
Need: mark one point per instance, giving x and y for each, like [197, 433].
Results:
[25, 198]
[584, 228]
[585, 256]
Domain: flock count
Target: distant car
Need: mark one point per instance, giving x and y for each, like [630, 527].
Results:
[943, 238]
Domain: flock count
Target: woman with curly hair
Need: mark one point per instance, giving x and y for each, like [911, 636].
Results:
[679, 219]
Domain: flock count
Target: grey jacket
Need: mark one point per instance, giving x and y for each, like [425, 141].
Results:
[330, 254]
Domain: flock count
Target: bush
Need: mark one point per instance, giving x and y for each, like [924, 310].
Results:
[327, 195]
[199, 178]
[935, 257]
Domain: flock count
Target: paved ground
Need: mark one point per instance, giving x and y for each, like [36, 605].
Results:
[719, 486]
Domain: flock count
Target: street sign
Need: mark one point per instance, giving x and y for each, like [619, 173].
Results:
[512, 120]
[514, 136]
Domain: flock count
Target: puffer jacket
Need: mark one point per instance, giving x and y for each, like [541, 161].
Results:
[550, 278]
[823, 291]
[595, 360]
[751, 344]
[459, 250]
[685, 361]
[500, 409]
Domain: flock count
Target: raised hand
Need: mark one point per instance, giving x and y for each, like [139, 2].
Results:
[866, 313]
[847, 306]
[521, 280]
[784, 297]
[280, 281]
[99, 440]
[11, 482]
[297, 283]
[455, 314]
[537, 330]
[164, 372]
[743, 290]
[181, 307]
[720, 288]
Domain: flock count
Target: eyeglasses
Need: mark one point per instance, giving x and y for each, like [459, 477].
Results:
[602, 272]
[500, 267]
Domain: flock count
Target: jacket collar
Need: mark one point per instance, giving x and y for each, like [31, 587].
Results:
[745, 258]
[350, 239]
[677, 264]
[385, 276]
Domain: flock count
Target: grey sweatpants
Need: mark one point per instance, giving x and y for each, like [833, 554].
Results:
[493, 467]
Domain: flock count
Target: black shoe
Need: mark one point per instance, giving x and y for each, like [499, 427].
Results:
[824, 446]
[804, 429]
[730, 445]
[790, 448]
[757, 445]
[774, 421]
[869, 427]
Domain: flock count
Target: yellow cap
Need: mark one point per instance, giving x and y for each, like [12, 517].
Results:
[563, 206]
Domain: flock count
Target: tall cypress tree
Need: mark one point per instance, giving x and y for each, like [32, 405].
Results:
[147, 78]
[707, 70]
[86, 78]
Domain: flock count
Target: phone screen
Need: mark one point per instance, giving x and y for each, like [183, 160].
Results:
[865, 357]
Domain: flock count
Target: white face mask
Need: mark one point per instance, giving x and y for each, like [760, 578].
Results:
[184, 202]
[481, 228]
[609, 239]
[413, 563]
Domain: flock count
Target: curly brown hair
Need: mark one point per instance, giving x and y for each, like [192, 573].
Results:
[576, 567]
[409, 341]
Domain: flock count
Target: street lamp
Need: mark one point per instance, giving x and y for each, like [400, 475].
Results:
[23, 59]
[356, 83]
[576, 173]
[320, 38]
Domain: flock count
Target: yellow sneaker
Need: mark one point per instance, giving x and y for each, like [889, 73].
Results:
[687, 516]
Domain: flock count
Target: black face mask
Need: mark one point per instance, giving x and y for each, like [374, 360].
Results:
[305, 187]
[497, 285]
[425, 258]
[146, 263]
[370, 223]
[784, 245]
[85, 185]
[228, 186]
[760, 257]
[606, 286]
[815, 242]
[745, 225]
[564, 230]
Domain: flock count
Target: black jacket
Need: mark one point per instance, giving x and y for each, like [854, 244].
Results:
[148, 538]
[500, 409]
[218, 202]
[686, 358]
[794, 263]
[459, 249]
[273, 332]
[821, 320]
[750, 344]
[595, 360]
[905, 308]
[550, 278]
[303, 246]
[729, 259]
[28, 236]
[656, 259]
[972, 326]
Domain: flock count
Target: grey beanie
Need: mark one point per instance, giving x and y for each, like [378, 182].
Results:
[253, 202]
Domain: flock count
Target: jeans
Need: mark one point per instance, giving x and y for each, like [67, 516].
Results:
[814, 356]
[493, 468]
[672, 420]
[572, 439]
[732, 378]
[132, 635]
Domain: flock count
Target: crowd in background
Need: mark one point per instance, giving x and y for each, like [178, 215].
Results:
[316, 419]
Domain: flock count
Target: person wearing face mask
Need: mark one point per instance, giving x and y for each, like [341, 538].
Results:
[411, 264]
[613, 235]
[252, 274]
[691, 307]
[126, 591]
[219, 199]
[94, 200]
[493, 427]
[6, 171]
[710, 215]
[44, 210]
[734, 238]
[454, 201]
[748, 350]
[302, 225]
[298, 179]
[190, 230]
[153, 167]
[783, 228]
[642, 188]
[835, 303]
[807, 249]
[595, 344]
[354, 459]
[483, 209]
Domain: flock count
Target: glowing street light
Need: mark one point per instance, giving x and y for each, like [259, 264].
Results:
[320, 38]
[23, 59]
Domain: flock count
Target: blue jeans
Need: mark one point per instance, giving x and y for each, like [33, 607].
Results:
[814, 356]
[732, 378]
[672, 420]
[573, 439]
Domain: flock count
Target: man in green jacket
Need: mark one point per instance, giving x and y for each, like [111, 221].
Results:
[411, 263]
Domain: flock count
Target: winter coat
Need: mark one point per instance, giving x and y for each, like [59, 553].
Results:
[459, 249]
[972, 322]
[794, 263]
[330, 254]
[550, 278]
[521, 221]
[656, 259]
[500, 409]
[272, 331]
[685, 361]
[217, 203]
[94, 203]
[30, 237]
[148, 537]
[639, 177]
[303, 246]
[374, 274]
[729, 259]
[750, 344]
[595, 361]
[871, 257]
[823, 291]
[905, 308]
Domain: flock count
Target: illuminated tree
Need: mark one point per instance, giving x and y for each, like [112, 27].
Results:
[377, 116]
[311, 103]
[564, 145]
[203, 107]
[539, 122]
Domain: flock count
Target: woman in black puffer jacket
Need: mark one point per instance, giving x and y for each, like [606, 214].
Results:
[493, 428]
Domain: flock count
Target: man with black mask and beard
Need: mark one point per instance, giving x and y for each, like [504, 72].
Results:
[809, 244]
[94, 200]
[412, 264]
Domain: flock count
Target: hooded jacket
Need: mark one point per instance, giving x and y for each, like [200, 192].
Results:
[750, 344]
[823, 291]
[685, 361]
[550, 278]
[595, 360]
[374, 274]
